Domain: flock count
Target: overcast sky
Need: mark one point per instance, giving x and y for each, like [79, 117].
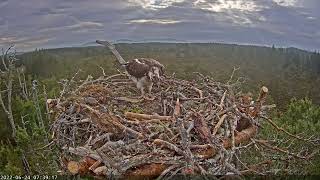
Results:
[31, 24]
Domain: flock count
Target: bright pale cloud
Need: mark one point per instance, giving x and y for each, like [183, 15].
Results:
[154, 21]
[287, 2]
[239, 12]
[154, 4]
[223, 5]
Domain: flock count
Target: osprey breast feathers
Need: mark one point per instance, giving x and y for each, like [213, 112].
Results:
[142, 66]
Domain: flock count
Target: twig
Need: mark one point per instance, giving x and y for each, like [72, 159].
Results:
[232, 74]
[146, 116]
[216, 128]
[168, 145]
[286, 132]
[264, 143]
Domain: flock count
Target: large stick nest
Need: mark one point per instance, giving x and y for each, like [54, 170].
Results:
[191, 127]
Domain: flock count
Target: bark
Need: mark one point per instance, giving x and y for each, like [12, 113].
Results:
[113, 50]
[202, 151]
[142, 117]
[201, 127]
[261, 99]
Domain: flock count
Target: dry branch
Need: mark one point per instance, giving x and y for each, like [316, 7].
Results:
[168, 145]
[131, 115]
[201, 127]
[285, 131]
[242, 137]
[8, 61]
[113, 50]
[261, 99]
[216, 128]
[264, 143]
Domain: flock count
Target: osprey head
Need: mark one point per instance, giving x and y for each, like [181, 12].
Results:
[154, 73]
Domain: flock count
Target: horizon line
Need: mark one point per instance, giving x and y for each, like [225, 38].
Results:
[93, 44]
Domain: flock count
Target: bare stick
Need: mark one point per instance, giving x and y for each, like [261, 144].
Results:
[222, 99]
[261, 99]
[264, 143]
[216, 128]
[199, 92]
[113, 50]
[139, 116]
[4, 56]
[286, 132]
[45, 100]
[10, 68]
[168, 145]
[22, 85]
[177, 109]
[103, 72]
[113, 120]
[232, 74]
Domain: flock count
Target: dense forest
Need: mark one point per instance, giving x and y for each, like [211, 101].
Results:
[292, 76]
[288, 72]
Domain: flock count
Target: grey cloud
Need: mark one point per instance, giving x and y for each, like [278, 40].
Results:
[77, 26]
[24, 42]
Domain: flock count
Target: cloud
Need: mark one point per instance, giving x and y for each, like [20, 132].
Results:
[3, 3]
[154, 4]
[154, 21]
[5, 40]
[31, 42]
[81, 26]
[23, 42]
[75, 22]
[239, 12]
[224, 5]
[311, 18]
[287, 3]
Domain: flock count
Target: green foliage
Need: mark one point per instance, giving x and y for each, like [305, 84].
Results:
[29, 143]
[10, 160]
[32, 135]
[301, 118]
[40, 161]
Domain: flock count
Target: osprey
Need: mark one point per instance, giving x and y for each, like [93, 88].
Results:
[144, 72]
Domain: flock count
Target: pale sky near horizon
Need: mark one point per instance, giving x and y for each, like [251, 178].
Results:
[31, 24]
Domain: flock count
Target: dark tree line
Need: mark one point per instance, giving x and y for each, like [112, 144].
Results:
[288, 72]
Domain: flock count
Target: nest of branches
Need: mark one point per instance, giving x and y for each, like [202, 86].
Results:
[189, 127]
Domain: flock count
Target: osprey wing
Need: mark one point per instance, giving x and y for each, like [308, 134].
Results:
[137, 68]
[153, 63]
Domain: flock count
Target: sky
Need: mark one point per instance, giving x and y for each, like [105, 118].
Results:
[30, 24]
